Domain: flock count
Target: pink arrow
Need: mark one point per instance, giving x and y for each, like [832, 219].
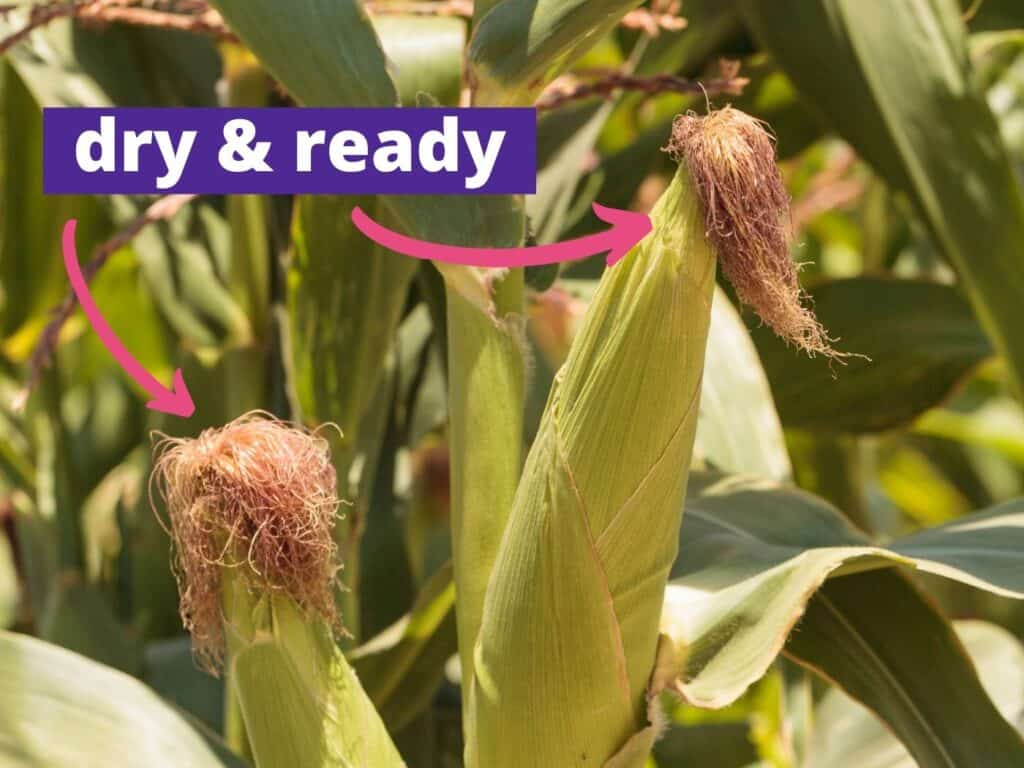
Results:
[176, 401]
[628, 229]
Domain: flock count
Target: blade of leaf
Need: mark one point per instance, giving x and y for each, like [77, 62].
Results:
[325, 52]
[753, 553]
[895, 81]
[59, 709]
[425, 54]
[518, 46]
[846, 733]
[920, 338]
[745, 439]
[919, 679]
[402, 667]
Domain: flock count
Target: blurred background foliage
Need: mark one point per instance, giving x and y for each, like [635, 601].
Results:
[900, 131]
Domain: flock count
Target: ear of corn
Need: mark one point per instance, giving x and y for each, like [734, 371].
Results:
[570, 620]
[302, 703]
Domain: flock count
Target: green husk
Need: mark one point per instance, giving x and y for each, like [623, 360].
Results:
[570, 620]
[301, 701]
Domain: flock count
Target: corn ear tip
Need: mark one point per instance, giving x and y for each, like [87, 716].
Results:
[257, 495]
[730, 157]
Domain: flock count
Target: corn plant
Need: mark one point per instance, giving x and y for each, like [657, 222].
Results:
[752, 495]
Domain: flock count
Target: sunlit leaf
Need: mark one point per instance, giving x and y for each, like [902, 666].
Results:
[848, 734]
[894, 80]
[918, 339]
[59, 709]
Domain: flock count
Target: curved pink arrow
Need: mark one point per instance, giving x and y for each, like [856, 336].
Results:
[628, 229]
[177, 400]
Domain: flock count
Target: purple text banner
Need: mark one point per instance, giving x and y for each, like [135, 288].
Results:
[436, 151]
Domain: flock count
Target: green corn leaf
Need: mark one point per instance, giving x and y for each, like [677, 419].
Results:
[919, 680]
[518, 46]
[169, 668]
[77, 617]
[894, 80]
[324, 52]
[32, 222]
[402, 667]
[752, 555]
[345, 299]
[425, 54]
[592, 532]
[745, 439]
[59, 709]
[920, 338]
[559, 177]
[848, 734]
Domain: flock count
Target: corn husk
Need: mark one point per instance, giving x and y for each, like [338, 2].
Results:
[301, 702]
[569, 629]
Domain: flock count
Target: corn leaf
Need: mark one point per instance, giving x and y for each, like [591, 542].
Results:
[919, 680]
[169, 668]
[518, 46]
[77, 617]
[920, 338]
[402, 667]
[895, 81]
[324, 52]
[345, 298]
[753, 553]
[425, 54]
[846, 733]
[744, 438]
[97, 712]
[31, 224]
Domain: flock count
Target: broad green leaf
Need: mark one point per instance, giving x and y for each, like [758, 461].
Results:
[996, 424]
[424, 55]
[559, 177]
[324, 52]
[752, 554]
[402, 667]
[846, 733]
[77, 617]
[918, 678]
[59, 709]
[185, 262]
[520, 45]
[169, 668]
[920, 340]
[75, 64]
[983, 550]
[345, 299]
[738, 429]
[31, 270]
[895, 81]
